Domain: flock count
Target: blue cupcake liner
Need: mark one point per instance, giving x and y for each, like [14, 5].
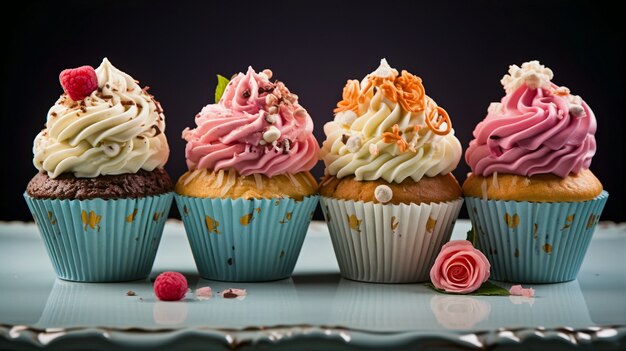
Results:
[243, 240]
[99, 240]
[534, 242]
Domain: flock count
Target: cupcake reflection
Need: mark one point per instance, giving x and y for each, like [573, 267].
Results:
[459, 312]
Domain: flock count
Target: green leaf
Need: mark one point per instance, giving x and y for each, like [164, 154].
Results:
[472, 235]
[222, 82]
[487, 289]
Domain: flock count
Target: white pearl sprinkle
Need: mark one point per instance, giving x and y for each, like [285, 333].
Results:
[271, 99]
[383, 193]
[271, 119]
[271, 134]
[354, 143]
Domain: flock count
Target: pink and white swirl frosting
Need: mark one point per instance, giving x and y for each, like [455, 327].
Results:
[257, 127]
[538, 128]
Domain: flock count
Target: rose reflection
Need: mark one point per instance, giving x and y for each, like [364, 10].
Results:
[459, 312]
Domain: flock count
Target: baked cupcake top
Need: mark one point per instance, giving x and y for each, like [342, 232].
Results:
[104, 124]
[256, 127]
[537, 128]
[386, 127]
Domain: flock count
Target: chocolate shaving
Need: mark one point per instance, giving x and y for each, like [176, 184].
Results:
[246, 94]
[131, 293]
[106, 97]
[344, 138]
[229, 295]
[53, 114]
[127, 103]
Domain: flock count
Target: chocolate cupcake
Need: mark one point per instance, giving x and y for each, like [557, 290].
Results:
[101, 196]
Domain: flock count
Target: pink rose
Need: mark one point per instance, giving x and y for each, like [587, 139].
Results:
[459, 268]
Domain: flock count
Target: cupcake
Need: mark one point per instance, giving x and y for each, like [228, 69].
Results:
[531, 197]
[101, 196]
[248, 197]
[388, 195]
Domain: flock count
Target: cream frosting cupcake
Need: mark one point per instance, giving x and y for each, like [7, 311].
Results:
[101, 196]
[388, 193]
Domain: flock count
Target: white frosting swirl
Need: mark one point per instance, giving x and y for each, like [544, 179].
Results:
[428, 154]
[117, 129]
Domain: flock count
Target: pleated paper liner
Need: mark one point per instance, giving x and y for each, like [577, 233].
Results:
[99, 240]
[242, 240]
[534, 242]
[388, 243]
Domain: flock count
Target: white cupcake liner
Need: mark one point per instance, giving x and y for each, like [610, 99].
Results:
[388, 243]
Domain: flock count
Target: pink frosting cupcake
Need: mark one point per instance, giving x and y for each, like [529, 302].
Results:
[531, 197]
[249, 196]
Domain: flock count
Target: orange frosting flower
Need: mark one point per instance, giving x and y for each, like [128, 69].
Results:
[350, 96]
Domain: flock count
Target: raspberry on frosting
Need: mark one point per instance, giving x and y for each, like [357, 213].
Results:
[170, 286]
[79, 82]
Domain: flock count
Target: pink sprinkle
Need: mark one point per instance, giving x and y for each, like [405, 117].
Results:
[517, 290]
[233, 293]
[204, 292]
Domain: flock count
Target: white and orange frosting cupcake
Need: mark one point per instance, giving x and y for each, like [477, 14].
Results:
[388, 154]
[249, 196]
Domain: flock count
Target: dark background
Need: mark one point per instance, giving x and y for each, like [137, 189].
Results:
[460, 49]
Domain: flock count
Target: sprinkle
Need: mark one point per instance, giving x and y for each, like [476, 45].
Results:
[354, 143]
[271, 99]
[344, 138]
[517, 290]
[383, 193]
[272, 110]
[373, 149]
[576, 110]
[271, 134]
[271, 119]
